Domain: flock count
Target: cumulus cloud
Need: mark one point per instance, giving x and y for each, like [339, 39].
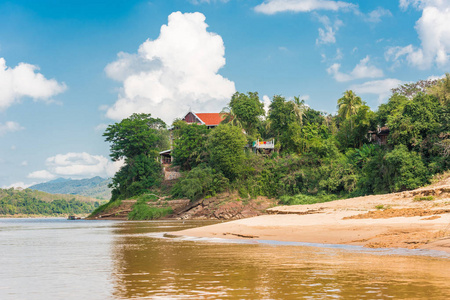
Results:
[77, 165]
[175, 72]
[433, 29]
[361, 70]
[270, 7]
[327, 34]
[23, 81]
[9, 126]
[382, 88]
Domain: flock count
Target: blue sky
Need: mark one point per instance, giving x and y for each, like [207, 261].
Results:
[69, 68]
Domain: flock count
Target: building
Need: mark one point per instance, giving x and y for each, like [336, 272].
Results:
[210, 120]
[379, 136]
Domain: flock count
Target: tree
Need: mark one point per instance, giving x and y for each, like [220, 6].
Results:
[135, 135]
[286, 121]
[348, 104]
[441, 89]
[137, 140]
[246, 110]
[190, 144]
[226, 145]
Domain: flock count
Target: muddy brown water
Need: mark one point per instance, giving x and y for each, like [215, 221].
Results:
[60, 259]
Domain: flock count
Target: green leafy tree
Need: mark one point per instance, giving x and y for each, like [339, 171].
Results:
[190, 148]
[135, 135]
[226, 146]
[137, 140]
[353, 130]
[244, 111]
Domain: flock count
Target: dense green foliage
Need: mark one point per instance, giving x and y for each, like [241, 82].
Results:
[226, 145]
[142, 211]
[95, 187]
[200, 182]
[317, 157]
[190, 147]
[137, 140]
[245, 111]
[29, 202]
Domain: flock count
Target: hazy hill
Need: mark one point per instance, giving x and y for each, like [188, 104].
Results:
[95, 187]
[32, 202]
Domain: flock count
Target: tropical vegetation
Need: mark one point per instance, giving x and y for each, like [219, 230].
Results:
[317, 156]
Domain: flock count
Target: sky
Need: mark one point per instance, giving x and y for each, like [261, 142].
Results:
[70, 68]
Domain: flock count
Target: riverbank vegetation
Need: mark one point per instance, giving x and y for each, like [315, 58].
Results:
[317, 156]
[32, 202]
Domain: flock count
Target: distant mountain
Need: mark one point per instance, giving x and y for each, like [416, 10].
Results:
[95, 187]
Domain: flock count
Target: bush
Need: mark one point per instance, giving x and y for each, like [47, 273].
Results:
[200, 182]
[142, 211]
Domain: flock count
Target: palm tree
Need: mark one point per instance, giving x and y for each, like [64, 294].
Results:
[299, 108]
[348, 105]
[230, 117]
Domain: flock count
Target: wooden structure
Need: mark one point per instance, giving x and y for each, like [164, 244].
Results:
[166, 157]
[263, 146]
[210, 120]
[379, 136]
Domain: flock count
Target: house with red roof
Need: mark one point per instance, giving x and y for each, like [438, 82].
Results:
[210, 120]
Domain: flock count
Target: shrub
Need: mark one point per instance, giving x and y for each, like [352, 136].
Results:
[142, 211]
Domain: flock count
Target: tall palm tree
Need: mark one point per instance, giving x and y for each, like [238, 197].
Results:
[348, 105]
[299, 108]
[230, 117]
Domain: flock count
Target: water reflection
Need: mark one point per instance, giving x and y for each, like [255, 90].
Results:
[148, 267]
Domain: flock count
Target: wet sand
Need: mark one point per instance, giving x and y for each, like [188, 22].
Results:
[398, 220]
[331, 228]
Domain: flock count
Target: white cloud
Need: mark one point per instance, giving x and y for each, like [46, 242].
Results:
[275, 6]
[24, 163]
[173, 73]
[267, 102]
[376, 15]
[382, 88]
[361, 70]
[17, 185]
[101, 127]
[9, 126]
[23, 81]
[327, 34]
[42, 174]
[433, 29]
[77, 165]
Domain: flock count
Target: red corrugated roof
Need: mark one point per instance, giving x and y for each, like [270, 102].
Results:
[211, 119]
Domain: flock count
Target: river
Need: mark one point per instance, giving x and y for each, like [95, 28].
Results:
[60, 259]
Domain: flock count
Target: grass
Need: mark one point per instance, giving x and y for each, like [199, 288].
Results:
[424, 198]
[147, 198]
[382, 207]
[302, 199]
[105, 207]
[142, 211]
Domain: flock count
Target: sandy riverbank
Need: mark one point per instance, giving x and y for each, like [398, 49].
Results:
[403, 222]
